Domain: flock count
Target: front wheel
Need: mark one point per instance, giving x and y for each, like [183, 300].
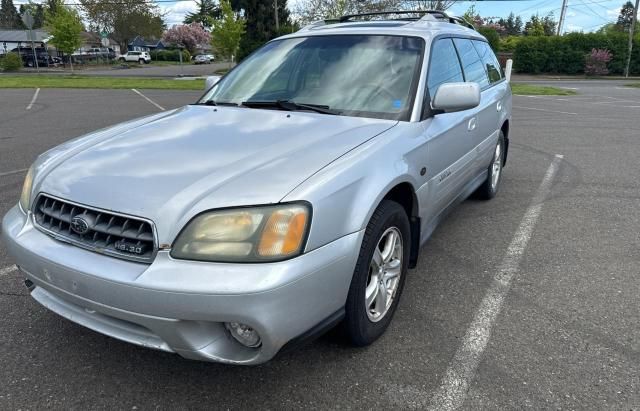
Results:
[489, 188]
[379, 275]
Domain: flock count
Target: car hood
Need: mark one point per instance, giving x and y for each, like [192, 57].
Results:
[172, 166]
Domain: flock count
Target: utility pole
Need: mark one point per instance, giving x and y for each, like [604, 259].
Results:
[277, 19]
[631, 33]
[563, 12]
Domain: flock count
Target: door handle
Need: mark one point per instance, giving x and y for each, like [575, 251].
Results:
[499, 106]
[473, 123]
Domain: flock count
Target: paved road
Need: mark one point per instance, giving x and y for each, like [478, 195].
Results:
[567, 335]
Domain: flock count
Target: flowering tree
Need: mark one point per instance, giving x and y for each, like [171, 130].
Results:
[188, 35]
[596, 62]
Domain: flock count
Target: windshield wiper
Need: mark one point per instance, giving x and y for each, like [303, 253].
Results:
[289, 105]
[219, 103]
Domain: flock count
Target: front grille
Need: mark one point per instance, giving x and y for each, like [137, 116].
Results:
[101, 231]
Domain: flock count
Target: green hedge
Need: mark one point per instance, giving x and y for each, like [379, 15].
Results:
[492, 37]
[566, 54]
[10, 62]
[170, 55]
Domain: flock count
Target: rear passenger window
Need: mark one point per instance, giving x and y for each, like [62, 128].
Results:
[445, 66]
[489, 59]
[472, 65]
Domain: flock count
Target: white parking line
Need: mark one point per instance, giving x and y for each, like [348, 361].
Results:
[455, 383]
[33, 100]
[8, 173]
[148, 99]
[547, 111]
[7, 270]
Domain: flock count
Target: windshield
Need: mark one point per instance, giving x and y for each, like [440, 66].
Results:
[355, 75]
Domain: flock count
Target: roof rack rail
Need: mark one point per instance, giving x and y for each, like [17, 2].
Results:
[421, 14]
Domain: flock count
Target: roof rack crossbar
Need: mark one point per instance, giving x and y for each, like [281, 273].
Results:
[438, 14]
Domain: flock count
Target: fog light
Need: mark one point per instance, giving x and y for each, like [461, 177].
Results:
[244, 334]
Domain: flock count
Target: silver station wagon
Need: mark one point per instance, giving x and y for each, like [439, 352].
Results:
[292, 197]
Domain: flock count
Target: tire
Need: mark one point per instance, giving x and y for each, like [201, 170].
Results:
[141, 61]
[121, 60]
[364, 323]
[489, 188]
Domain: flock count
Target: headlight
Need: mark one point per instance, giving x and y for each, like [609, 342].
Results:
[25, 197]
[245, 235]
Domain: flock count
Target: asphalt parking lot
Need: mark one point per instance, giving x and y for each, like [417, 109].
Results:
[565, 332]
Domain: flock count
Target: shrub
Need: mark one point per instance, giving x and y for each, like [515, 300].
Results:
[596, 62]
[170, 55]
[566, 54]
[11, 62]
[492, 37]
[509, 43]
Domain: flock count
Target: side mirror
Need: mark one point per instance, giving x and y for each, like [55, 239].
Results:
[456, 97]
[210, 82]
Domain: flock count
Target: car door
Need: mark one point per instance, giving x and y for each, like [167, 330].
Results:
[449, 136]
[494, 100]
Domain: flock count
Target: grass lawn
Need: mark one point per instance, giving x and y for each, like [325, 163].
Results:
[60, 81]
[532, 90]
[636, 85]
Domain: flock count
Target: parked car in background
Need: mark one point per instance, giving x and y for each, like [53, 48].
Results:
[292, 197]
[141, 57]
[102, 52]
[210, 57]
[201, 59]
[26, 53]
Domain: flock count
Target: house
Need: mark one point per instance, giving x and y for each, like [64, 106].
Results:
[91, 40]
[140, 44]
[10, 39]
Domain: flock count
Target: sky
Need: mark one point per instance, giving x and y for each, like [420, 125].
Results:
[582, 15]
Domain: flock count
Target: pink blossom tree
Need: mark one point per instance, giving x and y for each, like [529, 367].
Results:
[596, 62]
[188, 35]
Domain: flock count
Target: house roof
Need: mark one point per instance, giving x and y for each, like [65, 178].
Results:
[21, 36]
[141, 41]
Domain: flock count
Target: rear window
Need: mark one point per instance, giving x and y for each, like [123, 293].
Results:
[490, 61]
[472, 64]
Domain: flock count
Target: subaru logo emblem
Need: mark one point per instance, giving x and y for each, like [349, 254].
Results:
[79, 225]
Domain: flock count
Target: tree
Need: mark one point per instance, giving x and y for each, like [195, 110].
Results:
[625, 18]
[124, 19]
[512, 25]
[312, 10]
[260, 22]
[65, 28]
[207, 12]
[549, 24]
[52, 6]
[227, 31]
[9, 17]
[187, 35]
[535, 27]
[428, 4]
[36, 10]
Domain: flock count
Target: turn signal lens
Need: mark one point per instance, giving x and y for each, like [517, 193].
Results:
[25, 196]
[284, 232]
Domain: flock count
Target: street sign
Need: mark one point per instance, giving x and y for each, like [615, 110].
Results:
[105, 42]
[27, 19]
[104, 35]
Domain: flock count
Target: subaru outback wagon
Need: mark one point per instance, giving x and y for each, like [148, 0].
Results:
[292, 197]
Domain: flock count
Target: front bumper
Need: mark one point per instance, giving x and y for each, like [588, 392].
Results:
[181, 306]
